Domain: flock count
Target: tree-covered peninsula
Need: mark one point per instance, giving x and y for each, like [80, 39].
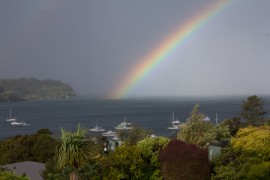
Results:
[25, 89]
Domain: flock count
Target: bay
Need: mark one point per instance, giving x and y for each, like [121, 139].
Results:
[148, 113]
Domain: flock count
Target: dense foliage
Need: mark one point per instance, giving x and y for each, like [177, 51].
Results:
[6, 174]
[200, 132]
[252, 110]
[248, 157]
[33, 89]
[90, 170]
[74, 154]
[180, 160]
[125, 162]
[233, 124]
[133, 136]
[38, 147]
[141, 156]
[150, 148]
[139, 161]
[253, 141]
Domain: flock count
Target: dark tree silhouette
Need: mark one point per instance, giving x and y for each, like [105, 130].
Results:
[252, 110]
[180, 160]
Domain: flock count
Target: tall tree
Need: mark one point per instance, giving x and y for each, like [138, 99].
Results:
[252, 110]
[74, 150]
[150, 148]
[196, 130]
[200, 132]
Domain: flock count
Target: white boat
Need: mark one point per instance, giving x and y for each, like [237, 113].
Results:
[97, 129]
[174, 127]
[206, 119]
[10, 119]
[175, 123]
[124, 125]
[15, 123]
[115, 138]
[109, 133]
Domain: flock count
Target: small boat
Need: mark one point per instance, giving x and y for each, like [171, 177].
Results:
[109, 133]
[174, 127]
[97, 129]
[115, 138]
[175, 123]
[124, 125]
[10, 119]
[15, 123]
[206, 119]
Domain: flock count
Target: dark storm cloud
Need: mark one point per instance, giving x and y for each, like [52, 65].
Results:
[93, 44]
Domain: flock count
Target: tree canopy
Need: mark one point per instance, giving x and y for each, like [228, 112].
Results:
[150, 149]
[248, 156]
[252, 110]
[180, 160]
[200, 132]
[253, 140]
[134, 135]
[33, 89]
[37, 147]
[74, 149]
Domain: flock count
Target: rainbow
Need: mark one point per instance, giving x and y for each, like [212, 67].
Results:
[165, 48]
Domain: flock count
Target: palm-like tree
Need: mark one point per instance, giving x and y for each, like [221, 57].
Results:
[74, 150]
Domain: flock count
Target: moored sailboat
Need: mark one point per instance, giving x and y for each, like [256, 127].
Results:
[97, 129]
[15, 123]
[175, 123]
[124, 125]
[10, 119]
[109, 133]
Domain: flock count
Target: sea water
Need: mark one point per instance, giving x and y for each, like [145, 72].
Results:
[148, 113]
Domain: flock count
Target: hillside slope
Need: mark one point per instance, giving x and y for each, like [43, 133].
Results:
[33, 89]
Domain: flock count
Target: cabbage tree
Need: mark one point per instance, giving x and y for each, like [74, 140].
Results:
[74, 150]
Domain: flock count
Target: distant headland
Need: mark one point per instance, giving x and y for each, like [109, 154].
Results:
[28, 89]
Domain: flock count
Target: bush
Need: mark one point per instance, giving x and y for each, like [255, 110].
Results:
[180, 160]
[259, 171]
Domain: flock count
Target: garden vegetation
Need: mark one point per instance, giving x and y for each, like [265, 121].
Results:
[141, 156]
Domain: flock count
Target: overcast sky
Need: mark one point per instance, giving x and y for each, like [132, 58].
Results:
[93, 44]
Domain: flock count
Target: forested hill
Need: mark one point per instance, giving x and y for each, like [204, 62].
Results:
[24, 89]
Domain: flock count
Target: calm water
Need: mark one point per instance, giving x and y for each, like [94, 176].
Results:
[147, 113]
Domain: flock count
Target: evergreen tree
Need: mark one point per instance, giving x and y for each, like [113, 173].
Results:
[196, 130]
[200, 132]
[252, 110]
